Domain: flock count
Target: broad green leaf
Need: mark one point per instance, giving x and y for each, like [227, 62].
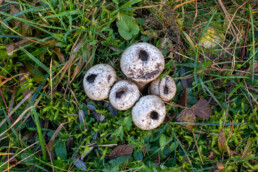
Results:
[138, 156]
[162, 141]
[128, 122]
[37, 61]
[127, 27]
[174, 146]
[60, 150]
[119, 132]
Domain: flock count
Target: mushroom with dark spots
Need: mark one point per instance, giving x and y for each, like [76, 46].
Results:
[149, 112]
[164, 87]
[98, 81]
[154, 115]
[142, 63]
[123, 95]
[143, 55]
[91, 78]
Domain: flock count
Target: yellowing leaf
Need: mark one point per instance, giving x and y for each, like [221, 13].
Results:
[35, 72]
[180, 21]
[187, 115]
[211, 37]
[221, 140]
[220, 165]
[247, 148]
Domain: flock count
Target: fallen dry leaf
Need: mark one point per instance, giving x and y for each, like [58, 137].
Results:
[59, 54]
[183, 98]
[14, 10]
[26, 29]
[121, 150]
[221, 140]
[10, 48]
[220, 166]
[211, 156]
[78, 68]
[186, 115]
[202, 109]
[13, 46]
[50, 43]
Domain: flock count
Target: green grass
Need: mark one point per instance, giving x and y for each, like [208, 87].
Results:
[47, 46]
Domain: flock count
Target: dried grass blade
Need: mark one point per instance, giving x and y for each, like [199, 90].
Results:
[51, 142]
[17, 120]
[16, 107]
[18, 153]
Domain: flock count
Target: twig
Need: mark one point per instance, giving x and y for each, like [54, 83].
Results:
[245, 39]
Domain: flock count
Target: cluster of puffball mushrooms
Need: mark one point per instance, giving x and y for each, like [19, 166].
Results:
[141, 63]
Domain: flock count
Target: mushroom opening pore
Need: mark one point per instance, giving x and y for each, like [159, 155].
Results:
[154, 115]
[166, 89]
[119, 94]
[143, 55]
[91, 78]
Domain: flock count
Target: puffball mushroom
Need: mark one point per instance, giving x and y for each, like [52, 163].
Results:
[149, 112]
[142, 63]
[98, 81]
[123, 95]
[165, 88]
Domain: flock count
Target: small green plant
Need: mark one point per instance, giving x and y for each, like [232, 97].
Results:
[47, 123]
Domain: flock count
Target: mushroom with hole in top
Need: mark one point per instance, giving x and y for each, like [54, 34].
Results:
[98, 81]
[165, 88]
[142, 63]
[149, 112]
[123, 95]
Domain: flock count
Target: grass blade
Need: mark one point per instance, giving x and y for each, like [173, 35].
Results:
[36, 60]
[41, 138]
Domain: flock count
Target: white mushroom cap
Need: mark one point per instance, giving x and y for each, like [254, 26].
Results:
[98, 81]
[123, 95]
[142, 63]
[165, 88]
[149, 112]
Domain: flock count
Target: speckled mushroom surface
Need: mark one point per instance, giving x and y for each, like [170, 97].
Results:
[149, 112]
[165, 88]
[98, 81]
[123, 95]
[142, 63]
